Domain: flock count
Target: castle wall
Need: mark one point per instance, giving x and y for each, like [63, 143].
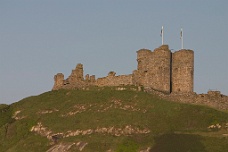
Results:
[112, 80]
[182, 71]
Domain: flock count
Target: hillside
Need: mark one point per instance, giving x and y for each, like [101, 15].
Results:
[107, 119]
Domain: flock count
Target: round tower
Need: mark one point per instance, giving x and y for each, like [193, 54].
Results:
[159, 69]
[142, 59]
[139, 76]
[182, 71]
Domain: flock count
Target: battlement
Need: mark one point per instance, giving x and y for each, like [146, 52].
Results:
[160, 70]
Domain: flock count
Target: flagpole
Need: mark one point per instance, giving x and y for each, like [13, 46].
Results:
[182, 39]
[162, 32]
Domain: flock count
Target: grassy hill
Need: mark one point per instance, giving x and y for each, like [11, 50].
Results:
[102, 119]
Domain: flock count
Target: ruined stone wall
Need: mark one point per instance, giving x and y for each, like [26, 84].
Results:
[212, 99]
[75, 80]
[76, 74]
[90, 79]
[112, 80]
[58, 81]
[182, 71]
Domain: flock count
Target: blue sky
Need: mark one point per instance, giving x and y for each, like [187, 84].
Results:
[39, 38]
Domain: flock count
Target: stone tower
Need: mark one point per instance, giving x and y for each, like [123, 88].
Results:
[58, 81]
[154, 68]
[160, 69]
[141, 75]
[182, 71]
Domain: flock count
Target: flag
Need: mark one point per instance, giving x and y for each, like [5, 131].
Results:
[161, 31]
[181, 33]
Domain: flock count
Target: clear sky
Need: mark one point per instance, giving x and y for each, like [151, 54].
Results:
[39, 38]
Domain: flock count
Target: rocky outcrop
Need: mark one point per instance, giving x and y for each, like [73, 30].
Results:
[61, 147]
[114, 131]
[67, 146]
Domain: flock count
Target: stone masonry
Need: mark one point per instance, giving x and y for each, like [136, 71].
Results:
[154, 69]
[182, 71]
[160, 70]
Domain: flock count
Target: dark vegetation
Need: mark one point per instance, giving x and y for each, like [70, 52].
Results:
[173, 126]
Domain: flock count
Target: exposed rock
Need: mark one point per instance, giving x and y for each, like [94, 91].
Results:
[48, 111]
[41, 130]
[15, 116]
[62, 147]
[125, 131]
[114, 103]
[81, 145]
[145, 150]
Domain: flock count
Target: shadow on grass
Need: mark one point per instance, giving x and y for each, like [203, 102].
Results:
[178, 143]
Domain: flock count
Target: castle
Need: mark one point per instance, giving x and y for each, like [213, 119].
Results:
[160, 70]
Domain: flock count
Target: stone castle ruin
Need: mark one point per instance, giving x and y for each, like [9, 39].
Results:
[160, 70]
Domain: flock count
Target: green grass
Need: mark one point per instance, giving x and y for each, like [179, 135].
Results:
[176, 125]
